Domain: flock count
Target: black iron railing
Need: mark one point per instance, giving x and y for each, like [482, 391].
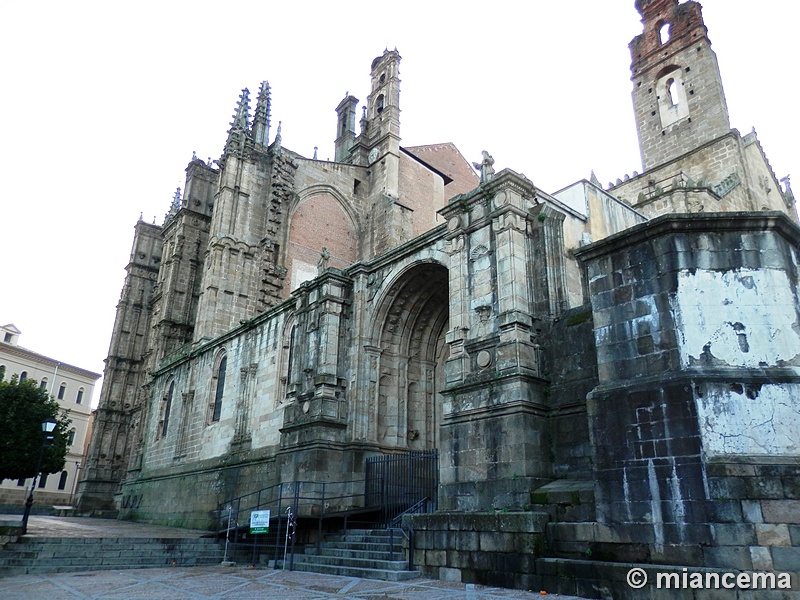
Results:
[392, 486]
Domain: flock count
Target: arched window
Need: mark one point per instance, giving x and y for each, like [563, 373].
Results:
[62, 481]
[43, 480]
[79, 397]
[71, 437]
[2, 372]
[663, 33]
[379, 104]
[673, 104]
[43, 383]
[216, 412]
[62, 390]
[23, 376]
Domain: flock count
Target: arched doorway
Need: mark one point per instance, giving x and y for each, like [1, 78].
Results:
[412, 327]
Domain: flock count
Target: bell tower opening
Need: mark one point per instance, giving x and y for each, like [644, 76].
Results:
[412, 326]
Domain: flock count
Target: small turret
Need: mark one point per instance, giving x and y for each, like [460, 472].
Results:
[240, 126]
[345, 127]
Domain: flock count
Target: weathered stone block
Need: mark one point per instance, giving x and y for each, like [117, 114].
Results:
[727, 488]
[734, 534]
[752, 511]
[729, 557]
[449, 574]
[496, 542]
[781, 511]
[773, 534]
[762, 558]
[786, 559]
[764, 487]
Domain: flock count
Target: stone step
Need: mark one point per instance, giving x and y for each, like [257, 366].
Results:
[351, 561]
[358, 553]
[363, 554]
[368, 546]
[60, 555]
[365, 538]
[347, 571]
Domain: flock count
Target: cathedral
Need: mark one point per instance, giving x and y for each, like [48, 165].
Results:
[619, 364]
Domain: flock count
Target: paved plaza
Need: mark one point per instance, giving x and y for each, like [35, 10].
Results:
[179, 583]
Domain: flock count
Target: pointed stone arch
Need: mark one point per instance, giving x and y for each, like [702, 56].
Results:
[409, 330]
[321, 217]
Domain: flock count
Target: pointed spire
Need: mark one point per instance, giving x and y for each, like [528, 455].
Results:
[315, 152]
[593, 179]
[261, 121]
[175, 207]
[241, 120]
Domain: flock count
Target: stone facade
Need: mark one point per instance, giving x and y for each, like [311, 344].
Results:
[608, 360]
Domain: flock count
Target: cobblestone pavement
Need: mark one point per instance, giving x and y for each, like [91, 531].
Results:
[190, 583]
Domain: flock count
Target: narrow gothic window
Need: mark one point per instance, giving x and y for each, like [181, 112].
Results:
[62, 481]
[43, 480]
[61, 391]
[290, 357]
[167, 407]
[217, 413]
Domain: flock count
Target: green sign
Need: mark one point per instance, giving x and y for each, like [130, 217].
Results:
[259, 521]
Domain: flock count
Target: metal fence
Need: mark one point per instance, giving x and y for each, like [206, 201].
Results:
[396, 482]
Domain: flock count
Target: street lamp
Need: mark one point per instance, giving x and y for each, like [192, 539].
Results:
[48, 427]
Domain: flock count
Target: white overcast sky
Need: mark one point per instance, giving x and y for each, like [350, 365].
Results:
[102, 104]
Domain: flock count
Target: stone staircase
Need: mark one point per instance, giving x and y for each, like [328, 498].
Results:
[30, 555]
[367, 553]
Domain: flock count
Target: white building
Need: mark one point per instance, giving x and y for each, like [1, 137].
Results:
[72, 387]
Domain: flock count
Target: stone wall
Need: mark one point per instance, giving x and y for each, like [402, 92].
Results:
[676, 303]
[487, 548]
[571, 366]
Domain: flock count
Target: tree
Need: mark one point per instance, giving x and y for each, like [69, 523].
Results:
[23, 408]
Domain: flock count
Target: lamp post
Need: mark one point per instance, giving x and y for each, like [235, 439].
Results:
[48, 427]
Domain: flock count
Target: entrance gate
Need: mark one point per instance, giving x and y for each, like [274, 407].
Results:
[396, 482]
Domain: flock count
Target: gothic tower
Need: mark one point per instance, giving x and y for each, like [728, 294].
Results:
[116, 419]
[185, 235]
[238, 281]
[677, 90]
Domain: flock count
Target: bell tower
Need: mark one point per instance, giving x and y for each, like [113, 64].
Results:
[378, 145]
[677, 90]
